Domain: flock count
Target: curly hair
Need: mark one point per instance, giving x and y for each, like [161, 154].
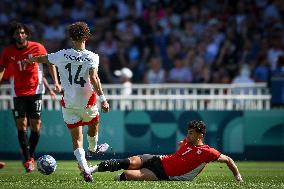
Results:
[17, 26]
[79, 31]
[198, 126]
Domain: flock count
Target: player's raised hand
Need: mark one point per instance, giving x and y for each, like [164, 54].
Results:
[105, 106]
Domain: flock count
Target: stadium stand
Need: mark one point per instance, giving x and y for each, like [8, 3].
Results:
[213, 39]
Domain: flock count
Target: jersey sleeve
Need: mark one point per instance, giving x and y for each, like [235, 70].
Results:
[213, 155]
[95, 62]
[4, 62]
[41, 50]
[56, 58]
[7, 73]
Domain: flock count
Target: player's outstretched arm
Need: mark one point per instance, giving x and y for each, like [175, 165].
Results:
[96, 82]
[51, 67]
[2, 69]
[232, 166]
[38, 59]
[53, 73]
[50, 90]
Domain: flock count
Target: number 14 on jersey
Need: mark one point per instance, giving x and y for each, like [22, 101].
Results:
[77, 80]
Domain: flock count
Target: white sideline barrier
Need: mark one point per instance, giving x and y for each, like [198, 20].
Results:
[171, 97]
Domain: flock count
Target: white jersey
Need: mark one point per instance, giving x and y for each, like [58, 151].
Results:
[73, 67]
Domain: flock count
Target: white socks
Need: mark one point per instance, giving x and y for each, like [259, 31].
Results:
[94, 169]
[92, 142]
[80, 156]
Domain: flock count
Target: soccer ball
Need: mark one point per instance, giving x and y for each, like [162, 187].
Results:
[46, 164]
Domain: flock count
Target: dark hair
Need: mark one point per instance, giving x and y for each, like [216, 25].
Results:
[16, 26]
[198, 126]
[79, 31]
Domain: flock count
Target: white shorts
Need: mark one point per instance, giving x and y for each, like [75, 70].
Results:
[75, 117]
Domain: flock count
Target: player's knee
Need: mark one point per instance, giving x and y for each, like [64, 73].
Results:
[21, 124]
[35, 116]
[35, 124]
[135, 162]
[128, 175]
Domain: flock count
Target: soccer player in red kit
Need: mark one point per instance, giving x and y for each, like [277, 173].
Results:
[28, 87]
[185, 164]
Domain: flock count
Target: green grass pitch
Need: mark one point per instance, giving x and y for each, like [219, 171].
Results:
[266, 175]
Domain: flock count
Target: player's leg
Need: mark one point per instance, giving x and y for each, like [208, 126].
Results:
[79, 152]
[35, 135]
[92, 135]
[141, 174]
[143, 167]
[90, 116]
[34, 115]
[149, 168]
[74, 124]
[21, 123]
[23, 136]
[131, 163]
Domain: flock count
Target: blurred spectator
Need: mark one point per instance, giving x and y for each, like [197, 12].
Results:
[279, 71]
[125, 75]
[174, 49]
[277, 84]
[66, 18]
[54, 34]
[6, 13]
[155, 73]
[276, 47]
[54, 8]
[180, 73]
[228, 56]
[272, 12]
[160, 40]
[261, 72]
[244, 76]
[108, 46]
[105, 71]
[127, 29]
[224, 34]
[80, 9]
[187, 35]
[200, 71]
[153, 12]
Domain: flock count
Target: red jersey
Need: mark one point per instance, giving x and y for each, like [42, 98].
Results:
[188, 161]
[7, 73]
[26, 78]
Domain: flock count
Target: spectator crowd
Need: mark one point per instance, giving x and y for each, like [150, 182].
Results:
[177, 41]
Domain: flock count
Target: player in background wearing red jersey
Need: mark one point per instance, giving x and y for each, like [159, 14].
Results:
[185, 164]
[7, 76]
[28, 87]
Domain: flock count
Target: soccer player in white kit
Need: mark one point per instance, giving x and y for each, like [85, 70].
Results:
[78, 70]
